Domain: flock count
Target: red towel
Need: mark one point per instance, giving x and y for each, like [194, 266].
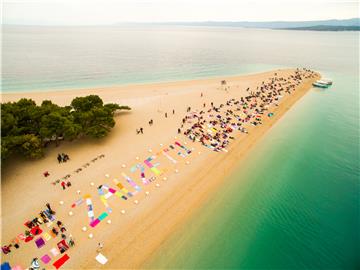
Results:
[61, 261]
[36, 230]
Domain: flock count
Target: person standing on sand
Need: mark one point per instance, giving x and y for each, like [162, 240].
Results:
[173, 111]
[71, 241]
[59, 158]
[166, 115]
[99, 247]
[63, 184]
[141, 130]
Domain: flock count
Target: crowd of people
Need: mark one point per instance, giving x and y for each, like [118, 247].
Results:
[45, 216]
[213, 127]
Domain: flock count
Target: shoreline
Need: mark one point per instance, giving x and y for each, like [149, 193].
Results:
[107, 89]
[146, 226]
[129, 84]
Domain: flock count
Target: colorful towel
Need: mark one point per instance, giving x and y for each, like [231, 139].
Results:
[49, 215]
[53, 235]
[61, 261]
[21, 237]
[36, 230]
[47, 236]
[40, 242]
[46, 259]
[103, 216]
[94, 222]
[54, 252]
[5, 266]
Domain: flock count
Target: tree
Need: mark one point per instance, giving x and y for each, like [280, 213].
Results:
[27, 145]
[85, 104]
[95, 119]
[26, 127]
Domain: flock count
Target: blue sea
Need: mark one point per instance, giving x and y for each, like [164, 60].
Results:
[294, 202]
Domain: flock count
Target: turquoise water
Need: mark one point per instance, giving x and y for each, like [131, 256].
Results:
[294, 202]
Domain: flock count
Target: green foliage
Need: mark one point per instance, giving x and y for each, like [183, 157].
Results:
[27, 145]
[26, 128]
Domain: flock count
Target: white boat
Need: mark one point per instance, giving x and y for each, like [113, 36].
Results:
[321, 85]
[325, 81]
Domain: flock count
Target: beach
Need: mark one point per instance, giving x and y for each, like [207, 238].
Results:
[138, 228]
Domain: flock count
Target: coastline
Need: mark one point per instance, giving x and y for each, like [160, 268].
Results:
[181, 194]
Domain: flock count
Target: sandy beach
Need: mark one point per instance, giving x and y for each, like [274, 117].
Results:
[140, 224]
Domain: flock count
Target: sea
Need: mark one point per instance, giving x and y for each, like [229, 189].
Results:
[293, 203]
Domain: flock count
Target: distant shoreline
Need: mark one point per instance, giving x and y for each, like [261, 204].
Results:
[351, 24]
[324, 28]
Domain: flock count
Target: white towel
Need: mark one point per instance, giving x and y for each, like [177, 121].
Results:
[101, 258]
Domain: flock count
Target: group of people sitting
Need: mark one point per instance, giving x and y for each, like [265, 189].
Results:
[213, 127]
[45, 216]
[63, 157]
[140, 131]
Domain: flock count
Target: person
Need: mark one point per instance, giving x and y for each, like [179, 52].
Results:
[6, 249]
[137, 131]
[62, 246]
[100, 247]
[59, 223]
[63, 184]
[62, 229]
[46, 173]
[68, 184]
[36, 221]
[204, 104]
[179, 130]
[35, 264]
[44, 218]
[201, 94]
[173, 111]
[141, 130]
[49, 208]
[166, 115]
[54, 230]
[66, 157]
[63, 236]
[59, 158]
[71, 241]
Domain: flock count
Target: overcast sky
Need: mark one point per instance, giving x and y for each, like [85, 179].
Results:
[98, 12]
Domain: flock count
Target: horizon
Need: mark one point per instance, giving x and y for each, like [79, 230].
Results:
[109, 12]
[179, 22]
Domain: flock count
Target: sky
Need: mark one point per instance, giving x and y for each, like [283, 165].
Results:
[102, 12]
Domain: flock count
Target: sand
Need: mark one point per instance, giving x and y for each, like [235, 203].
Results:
[131, 238]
